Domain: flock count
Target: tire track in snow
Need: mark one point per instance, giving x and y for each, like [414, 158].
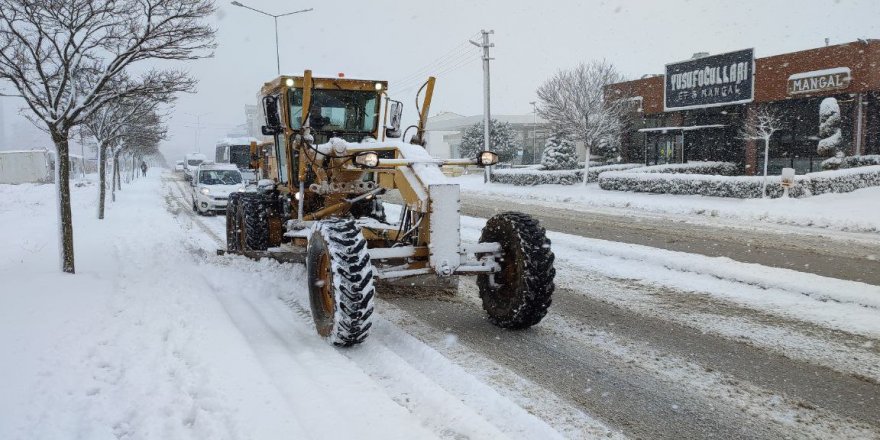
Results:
[441, 410]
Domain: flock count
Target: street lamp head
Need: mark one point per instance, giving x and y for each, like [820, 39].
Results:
[237, 4]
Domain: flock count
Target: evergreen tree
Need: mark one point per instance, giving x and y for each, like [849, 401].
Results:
[501, 136]
[559, 154]
[829, 127]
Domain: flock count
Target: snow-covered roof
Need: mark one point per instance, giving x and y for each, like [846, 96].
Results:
[218, 166]
[237, 141]
[690, 128]
[44, 150]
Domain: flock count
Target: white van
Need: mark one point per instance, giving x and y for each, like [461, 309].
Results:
[212, 183]
[191, 163]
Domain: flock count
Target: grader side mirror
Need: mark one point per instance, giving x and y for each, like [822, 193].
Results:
[395, 112]
[273, 120]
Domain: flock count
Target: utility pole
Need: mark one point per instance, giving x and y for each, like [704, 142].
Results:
[534, 132]
[486, 115]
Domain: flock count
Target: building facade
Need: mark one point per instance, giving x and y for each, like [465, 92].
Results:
[695, 111]
[444, 131]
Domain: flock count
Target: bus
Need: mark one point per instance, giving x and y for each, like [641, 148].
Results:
[236, 151]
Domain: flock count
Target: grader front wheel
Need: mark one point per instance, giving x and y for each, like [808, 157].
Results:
[340, 278]
[518, 296]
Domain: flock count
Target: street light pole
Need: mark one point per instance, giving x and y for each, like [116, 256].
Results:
[198, 128]
[534, 132]
[275, 18]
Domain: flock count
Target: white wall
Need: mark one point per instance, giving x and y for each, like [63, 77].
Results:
[24, 167]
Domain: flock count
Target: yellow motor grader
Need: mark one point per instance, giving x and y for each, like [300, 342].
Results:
[337, 149]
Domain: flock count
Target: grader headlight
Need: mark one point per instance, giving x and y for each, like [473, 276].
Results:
[486, 158]
[367, 159]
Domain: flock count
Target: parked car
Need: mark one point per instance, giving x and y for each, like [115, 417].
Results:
[191, 163]
[212, 183]
[178, 166]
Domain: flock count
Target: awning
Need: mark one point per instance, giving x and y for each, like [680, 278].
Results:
[691, 128]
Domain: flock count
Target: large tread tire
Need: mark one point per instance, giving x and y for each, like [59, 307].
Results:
[341, 286]
[522, 291]
[233, 228]
[255, 220]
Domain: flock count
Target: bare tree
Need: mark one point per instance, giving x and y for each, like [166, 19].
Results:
[137, 139]
[63, 56]
[760, 124]
[573, 102]
[110, 124]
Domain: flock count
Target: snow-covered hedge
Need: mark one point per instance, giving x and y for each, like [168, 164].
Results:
[720, 168]
[843, 180]
[536, 176]
[860, 161]
[743, 187]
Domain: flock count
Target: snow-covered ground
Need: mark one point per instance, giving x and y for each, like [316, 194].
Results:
[858, 211]
[157, 338]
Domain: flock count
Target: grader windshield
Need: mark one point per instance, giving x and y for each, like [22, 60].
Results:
[349, 114]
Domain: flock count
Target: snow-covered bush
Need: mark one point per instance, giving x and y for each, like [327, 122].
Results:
[829, 130]
[743, 187]
[608, 147]
[720, 168]
[559, 154]
[533, 176]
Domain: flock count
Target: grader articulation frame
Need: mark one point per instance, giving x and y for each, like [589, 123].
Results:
[331, 162]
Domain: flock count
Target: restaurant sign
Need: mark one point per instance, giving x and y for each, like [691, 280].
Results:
[837, 78]
[722, 79]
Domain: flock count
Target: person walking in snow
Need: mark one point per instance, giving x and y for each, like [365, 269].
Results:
[144, 168]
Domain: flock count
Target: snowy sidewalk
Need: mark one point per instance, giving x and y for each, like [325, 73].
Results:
[156, 338]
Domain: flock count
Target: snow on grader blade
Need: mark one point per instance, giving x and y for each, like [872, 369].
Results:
[336, 148]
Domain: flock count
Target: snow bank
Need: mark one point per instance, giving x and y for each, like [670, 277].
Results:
[535, 176]
[743, 187]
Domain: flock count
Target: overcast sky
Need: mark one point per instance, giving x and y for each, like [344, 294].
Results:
[396, 40]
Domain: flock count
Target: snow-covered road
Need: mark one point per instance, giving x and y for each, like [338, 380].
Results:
[157, 337]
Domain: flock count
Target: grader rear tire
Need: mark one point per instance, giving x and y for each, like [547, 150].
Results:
[340, 277]
[519, 295]
[254, 221]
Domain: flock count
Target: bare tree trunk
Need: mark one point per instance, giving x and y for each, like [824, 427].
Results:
[115, 175]
[62, 184]
[102, 175]
[587, 163]
[766, 158]
[118, 173]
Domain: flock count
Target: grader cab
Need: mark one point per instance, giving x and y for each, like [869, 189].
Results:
[337, 149]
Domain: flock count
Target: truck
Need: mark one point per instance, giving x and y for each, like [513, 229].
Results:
[338, 150]
[191, 163]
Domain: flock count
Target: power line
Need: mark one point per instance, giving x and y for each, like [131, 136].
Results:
[446, 57]
[452, 51]
[412, 86]
[440, 67]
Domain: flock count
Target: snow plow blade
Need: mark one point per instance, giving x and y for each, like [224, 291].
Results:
[279, 256]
